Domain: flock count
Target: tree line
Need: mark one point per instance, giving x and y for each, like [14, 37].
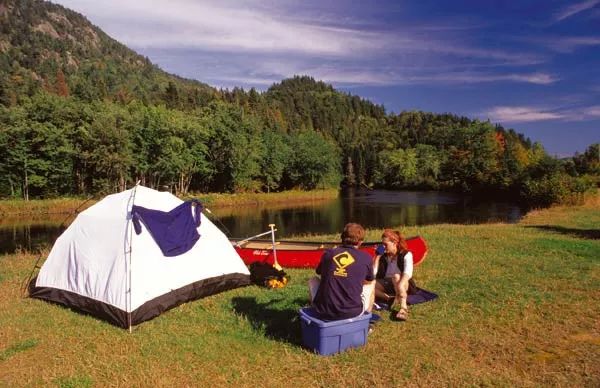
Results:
[52, 145]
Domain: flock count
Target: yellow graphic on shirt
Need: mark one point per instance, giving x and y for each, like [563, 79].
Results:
[342, 261]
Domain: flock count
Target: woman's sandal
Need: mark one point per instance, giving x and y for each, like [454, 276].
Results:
[402, 314]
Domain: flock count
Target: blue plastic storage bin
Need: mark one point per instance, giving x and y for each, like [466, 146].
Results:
[329, 337]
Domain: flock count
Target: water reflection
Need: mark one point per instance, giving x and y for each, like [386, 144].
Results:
[373, 209]
[31, 233]
[27, 237]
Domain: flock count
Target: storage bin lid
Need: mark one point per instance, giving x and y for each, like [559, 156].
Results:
[307, 313]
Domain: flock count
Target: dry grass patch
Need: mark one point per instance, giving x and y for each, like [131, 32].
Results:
[41, 208]
[284, 198]
[44, 206]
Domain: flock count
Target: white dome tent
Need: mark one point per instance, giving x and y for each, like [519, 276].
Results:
[101, 266]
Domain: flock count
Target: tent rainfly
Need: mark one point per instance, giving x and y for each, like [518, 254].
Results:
[101, 266]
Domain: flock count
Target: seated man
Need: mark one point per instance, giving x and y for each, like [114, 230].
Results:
[344, 270]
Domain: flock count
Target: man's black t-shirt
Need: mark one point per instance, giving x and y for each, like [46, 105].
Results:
[343, 271]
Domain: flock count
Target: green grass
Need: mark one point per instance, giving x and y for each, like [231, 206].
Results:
[519, 306]
[16, 348]
[74, 382]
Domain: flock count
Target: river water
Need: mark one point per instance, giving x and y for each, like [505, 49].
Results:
[371, 208]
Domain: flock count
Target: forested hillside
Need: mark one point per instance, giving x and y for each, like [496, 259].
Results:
[82, 114]
[47, 47]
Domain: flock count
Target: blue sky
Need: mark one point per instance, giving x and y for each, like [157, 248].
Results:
[529, 65]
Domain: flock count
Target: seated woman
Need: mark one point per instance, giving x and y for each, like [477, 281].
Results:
[394, 271]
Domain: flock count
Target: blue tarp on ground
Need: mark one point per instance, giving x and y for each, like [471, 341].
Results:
[421, 296]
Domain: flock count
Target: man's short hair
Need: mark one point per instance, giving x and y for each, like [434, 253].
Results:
[353, 234]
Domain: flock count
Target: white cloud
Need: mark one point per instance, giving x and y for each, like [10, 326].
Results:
[229, 26]
[574, 9]
[592, 111]
[517, 114]
[570, 44]
[452, 48]
[535, 78]
[256, 43]
[229, 82]
[221, 26]
[334, 73]
[471, 77]
[520, 114]
[388, 76]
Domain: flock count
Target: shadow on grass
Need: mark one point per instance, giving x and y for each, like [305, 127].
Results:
[590, 234]
[279, 324]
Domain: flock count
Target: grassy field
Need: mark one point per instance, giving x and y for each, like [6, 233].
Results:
[519, 306]
[220, 201]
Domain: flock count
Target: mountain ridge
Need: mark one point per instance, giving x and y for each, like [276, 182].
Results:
[40, 40]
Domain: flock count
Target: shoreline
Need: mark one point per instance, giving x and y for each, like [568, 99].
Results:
[216, 201]
[19, 208]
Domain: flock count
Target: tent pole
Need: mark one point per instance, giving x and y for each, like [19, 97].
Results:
[130, 250]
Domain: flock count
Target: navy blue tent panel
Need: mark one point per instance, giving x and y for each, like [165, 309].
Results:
[174, 231]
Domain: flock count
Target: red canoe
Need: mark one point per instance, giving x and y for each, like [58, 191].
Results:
[305, 254]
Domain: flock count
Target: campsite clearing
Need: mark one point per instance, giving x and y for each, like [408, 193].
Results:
[519, 306]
